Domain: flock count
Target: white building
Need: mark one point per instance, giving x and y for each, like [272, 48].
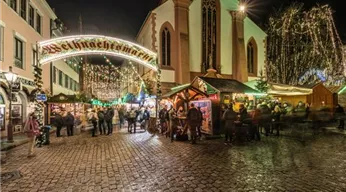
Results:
[193, 36]
[22, 24]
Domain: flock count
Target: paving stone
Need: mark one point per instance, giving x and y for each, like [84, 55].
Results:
[140, 162]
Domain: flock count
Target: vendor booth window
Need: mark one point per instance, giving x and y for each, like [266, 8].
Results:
[166, 47]
[19, 53]
[23, 5]
[60, 78]
[252, 57]
[209, 33]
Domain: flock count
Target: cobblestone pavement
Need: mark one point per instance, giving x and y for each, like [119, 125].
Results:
[140, 162]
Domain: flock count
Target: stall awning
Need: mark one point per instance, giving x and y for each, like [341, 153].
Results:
[229, 85]
[287, 90]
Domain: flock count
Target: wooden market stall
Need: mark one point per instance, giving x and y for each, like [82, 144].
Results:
[66, 103]
[223, 92]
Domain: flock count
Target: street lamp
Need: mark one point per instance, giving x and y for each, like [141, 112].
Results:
[242, 8]
[11, 78]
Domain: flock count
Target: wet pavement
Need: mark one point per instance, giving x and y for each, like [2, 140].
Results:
[140, 162]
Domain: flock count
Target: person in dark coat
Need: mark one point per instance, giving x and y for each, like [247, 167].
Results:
[101, 118]
[340, 114]
[229, 116]
[59, 123]
[201, 123]
[109, 117]
[69, 121]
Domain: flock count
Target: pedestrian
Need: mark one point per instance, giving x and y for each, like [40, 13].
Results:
[109, 118]
[31, 128]
[200, 124]
[193, 120]
[121, 116]
[101, 118]
[93, 119]
[229, 117]
[163, 114]
[131, 118]
[146, 118]
[59, 122]
[340, 114]
[69, 121]
[173, 123]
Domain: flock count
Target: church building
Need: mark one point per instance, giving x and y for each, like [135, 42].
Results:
[192, 36]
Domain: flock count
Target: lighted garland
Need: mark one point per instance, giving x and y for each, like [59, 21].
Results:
[39, 105]
[301, 44]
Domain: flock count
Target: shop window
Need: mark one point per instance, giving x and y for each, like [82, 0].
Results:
[209, 34]
[13, 4]
[38, 23]
[60, 78]
[2, 43]
[166, 47]
[31, 16]
[23, 5]
[71, 84]
[19, 53]
[66, 81]
[252, 57]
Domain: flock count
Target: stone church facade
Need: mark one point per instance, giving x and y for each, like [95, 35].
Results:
[191, 36]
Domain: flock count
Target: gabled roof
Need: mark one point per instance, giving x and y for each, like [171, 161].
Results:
[228, 85]
[178, 89]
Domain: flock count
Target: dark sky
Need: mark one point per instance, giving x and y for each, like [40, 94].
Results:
[123, 18]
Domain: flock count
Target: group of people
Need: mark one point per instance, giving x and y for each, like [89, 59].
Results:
[141, 115]
[103, 120]
[64, 119]
[174, 123]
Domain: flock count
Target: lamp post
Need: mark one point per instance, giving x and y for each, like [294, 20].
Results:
[11, 78]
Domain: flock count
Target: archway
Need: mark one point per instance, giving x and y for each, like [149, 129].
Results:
[70, 46]
[64, 47]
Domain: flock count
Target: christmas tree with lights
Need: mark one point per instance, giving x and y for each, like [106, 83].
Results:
[39, 105]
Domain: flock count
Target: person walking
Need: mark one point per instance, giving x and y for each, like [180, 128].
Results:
[200, 124]
[229, 117]
[69, 121]
[31, 128]
[59, 122]
[340, 114]
[131, 118]
[93, 119]
[121, 116]
[193, 120]
[109, 120]
[101, 118]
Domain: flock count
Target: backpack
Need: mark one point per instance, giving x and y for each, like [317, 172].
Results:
[101, 115]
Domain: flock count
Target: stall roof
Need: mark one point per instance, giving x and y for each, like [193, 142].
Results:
[337, 89]
[228, 85]
[288, 90]
[175, 90]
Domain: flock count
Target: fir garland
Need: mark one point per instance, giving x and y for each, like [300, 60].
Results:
[39, 105]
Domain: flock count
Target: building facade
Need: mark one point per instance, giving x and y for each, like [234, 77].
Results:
[192, 36]
[23, 23]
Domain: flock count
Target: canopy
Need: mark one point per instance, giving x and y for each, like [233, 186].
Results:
[282, 89]
[229, 85]
[186, 92]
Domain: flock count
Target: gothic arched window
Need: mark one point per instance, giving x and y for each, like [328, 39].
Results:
[252, 57]
[209, 33]
[165, 47]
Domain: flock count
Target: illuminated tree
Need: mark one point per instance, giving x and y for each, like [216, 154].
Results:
[301, 44]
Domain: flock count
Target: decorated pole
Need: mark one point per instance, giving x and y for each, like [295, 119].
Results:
[158, 87]
[39, 105]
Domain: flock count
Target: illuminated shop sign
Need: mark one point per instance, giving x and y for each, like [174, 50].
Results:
[69, 46]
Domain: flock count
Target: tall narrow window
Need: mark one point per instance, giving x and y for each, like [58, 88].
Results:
[60, 78]
[166, 47]
[251, 57]
[38, 23]
[34, 59]
[209, 36]
[1, 43]
[13, 4]
[31, 16]
[66, 81]
[18, 53]
[54, 74]
[23, 6]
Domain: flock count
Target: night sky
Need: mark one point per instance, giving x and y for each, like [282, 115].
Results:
[123, 18]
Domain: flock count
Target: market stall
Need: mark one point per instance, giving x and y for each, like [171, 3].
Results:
[66, 103]
[223, 92]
